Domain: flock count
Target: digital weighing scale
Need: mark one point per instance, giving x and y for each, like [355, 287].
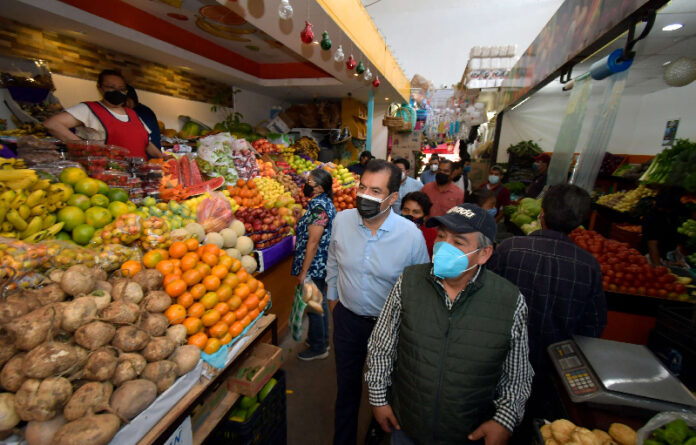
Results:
[608, 372]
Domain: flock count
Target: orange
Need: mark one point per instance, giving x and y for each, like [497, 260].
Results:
[253, 284]
[176, 262]
[252, 302]
[229, 318]
[177, 271]
[185, 299]
[196, 310]
[224, 292]
[165, 267]
[222, 308]
[212, 345]
[197, 291]
[151, 258]
[236, 329]
[198, 339]
[210, 317]
[210, 259]
[231, 280]
[199, 251]
[253, 314]
[175, 313]
[191, 244]
[189, 261]
[209, 300]
[193, 325]
[245, 321]
[191, 277]
[262, 305]
[243, 275]
[241, 312]
[260, 283]
[169, 278]
[234, 302]
[219, 271]
[225, 261]
[176, 288]
[260, 293]
[236, 265]
[131, 268]
[211, 248]
[177, 249]
[211, 282]
[163, 252]
[226, 338]
[242, 291]
[204, 269]
[218, 330]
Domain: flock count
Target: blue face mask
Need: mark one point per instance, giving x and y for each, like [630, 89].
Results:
[492, 211]
[493, 179]
[450, 262]
[467, 169]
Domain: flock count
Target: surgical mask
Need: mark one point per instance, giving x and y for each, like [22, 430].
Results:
[450, 262]
[433, 168]
[493, 179]
[115, 97]
[308, 190]
[492, 211]
[441, 178]
[403, 175]
[368, 206]
[467, 169]
[416, 221]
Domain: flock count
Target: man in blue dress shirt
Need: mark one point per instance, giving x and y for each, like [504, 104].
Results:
[408, 184]
[370, 246]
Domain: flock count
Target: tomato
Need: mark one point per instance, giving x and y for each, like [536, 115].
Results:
[662, 293]
[632, 290]
[622, 289]
[660, 271]
[628, 277]
[619, 275]
[679, 288]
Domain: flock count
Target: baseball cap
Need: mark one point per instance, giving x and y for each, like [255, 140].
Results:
[543, 158]
[466, 218]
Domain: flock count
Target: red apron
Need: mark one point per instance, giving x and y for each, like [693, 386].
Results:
[130, 134]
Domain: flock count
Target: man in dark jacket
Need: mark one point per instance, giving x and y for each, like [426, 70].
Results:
[459, 335]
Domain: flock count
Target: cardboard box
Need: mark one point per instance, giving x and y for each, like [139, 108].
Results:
[261, 362]
[202, 412]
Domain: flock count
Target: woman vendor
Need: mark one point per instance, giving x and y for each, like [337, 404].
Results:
[107, 121]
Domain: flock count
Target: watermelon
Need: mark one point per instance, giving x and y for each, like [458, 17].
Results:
[185, 171]
[207, 186]
[195, 173]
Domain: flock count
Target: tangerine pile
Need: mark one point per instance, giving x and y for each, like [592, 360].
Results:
[245, 193]
[215, 296]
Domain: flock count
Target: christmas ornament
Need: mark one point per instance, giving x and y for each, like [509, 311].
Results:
[350, 63]
[339, 56]
[360, 68]
[307, 35]
[325, 41]
[285, 10]
[368, 75]
[375, 83]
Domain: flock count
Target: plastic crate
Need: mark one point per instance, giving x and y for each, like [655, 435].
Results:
[267, 426]
[673, 341]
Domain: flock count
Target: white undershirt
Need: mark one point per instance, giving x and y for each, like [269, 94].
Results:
[92, 128]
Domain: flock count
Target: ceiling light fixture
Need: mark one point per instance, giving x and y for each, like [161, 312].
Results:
[672, 27]
[386, 98]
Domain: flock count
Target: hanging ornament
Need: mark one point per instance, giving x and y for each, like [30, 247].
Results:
[307, 35]
[285, 10]
[375, 83]
[350, 63]
[360, 68]
[368, 75]
[325, 41]
[339, 56]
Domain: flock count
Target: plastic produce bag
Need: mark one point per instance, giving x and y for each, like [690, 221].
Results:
[63, 254]
[111, 256]
[155, 234]
[312, 296]
[662, 419]
[215, 213]
[215, 156]
[18, 257]
[125, 230]
[296, 315]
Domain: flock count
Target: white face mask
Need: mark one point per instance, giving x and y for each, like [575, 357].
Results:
[403, 175]
[433, 167]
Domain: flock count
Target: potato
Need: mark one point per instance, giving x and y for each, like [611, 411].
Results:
[131, 398]
[622, 434]
[78, 312]
[8, 415]
[48, 359]
[121, 312]
[130, 339]
[162, 373]
[157, 301]
[32, 329]
[8, 349]
[149, 279]
[90, 398]
[102, 298]
[78, 280]
[100, 365]
[154, 324]
[56, 275]
[42, 399]
[186, 358]
[103, 285]
[46, 295]
[137, 360]
[99, 274]
[94, 335]
[127, 290]
[159, 348]
[561, 430]
[11, 310]
[583, 436]
[601, 436]
[123, 373]
[177, 333]
[12, 374]
[41, 433]
[96, 429]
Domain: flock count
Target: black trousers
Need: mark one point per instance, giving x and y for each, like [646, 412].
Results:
[350, 336]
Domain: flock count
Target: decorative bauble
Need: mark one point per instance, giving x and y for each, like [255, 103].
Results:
[360, 68]
[325, 41]
[376, 82]
[368, 75]
[350, 63]
[339, 56]
[307, 35]
[681, 72]
[285, 10]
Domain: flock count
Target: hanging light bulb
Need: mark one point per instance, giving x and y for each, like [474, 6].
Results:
[339, 56]
[325, 41]
[360, 68]
[350, 63]
[307, 35]
[285, 10]
[368, 75]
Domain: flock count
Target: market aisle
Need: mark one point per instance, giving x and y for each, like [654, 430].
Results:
[311, 404]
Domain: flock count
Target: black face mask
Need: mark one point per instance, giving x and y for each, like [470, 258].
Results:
[456, 178]
[442, 178]
[115, 97]
[417, 221]
[369, 208]
[308, 190]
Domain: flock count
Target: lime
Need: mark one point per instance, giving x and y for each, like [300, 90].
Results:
[103, 187]
[82, 234]
[118, 195]
[97, 217]
[63, 236]
[87, 186]
[118, 208]
[100, 200]
[80, 201]
[71, 175]
[72, 216]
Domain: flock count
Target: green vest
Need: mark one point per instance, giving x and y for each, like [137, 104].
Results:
[449, 362]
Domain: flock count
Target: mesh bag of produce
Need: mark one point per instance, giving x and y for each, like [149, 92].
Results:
[63, 254]
[125, 230]
[215, 213]
[111, 256]
[155, 234]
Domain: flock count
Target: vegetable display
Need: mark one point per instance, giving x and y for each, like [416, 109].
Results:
[674, 166]
[676, 432]
[565, 432]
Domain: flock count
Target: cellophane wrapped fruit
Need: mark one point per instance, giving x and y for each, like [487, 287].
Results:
[111, 256]
[18, 257]
[125, 230]
[215, 213]
[155, 234]
[63, 254]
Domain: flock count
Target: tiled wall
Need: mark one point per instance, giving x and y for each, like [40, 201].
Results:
[74, 57]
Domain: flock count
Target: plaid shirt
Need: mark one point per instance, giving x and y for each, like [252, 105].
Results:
[515, 381]
[562, 284]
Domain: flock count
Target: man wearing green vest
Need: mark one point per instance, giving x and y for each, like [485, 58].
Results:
[448, 358]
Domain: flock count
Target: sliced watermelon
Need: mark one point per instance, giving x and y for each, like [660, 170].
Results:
[207, 186]
[185, 170]
[195, 173]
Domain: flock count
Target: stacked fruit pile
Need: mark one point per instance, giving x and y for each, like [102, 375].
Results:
[301, 165]
[344, 177]
[266, 227]
[263, 146]
[174, 214]
[307, 147]
[266, 168]
[626, 201]
[343, 198]
[245, 193]
[270, 189]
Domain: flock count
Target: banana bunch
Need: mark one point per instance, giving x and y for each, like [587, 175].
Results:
[307, 146]
[10, 163]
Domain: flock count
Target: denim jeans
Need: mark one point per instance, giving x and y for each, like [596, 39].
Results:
[318, 334]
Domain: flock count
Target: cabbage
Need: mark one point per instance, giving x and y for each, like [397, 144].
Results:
[531, 227]
[530, 206]
[520, 219]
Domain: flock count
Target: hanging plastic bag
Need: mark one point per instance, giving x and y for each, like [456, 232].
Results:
[215, 213]
[312, 296]
[297, 314]
[662, 419]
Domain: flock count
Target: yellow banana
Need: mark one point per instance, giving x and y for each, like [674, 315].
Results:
[33, 227]
[39, 210]
[51, 208]
[7, 226]
[8, 196]
[20, 199]
[48, 221]
[60, 205]
[9, 234]
[3, 212]
[55, 228]
[24, 211]
[35, 197]
[16, 220]
[21, 184]
[16, 174]
[42, 184]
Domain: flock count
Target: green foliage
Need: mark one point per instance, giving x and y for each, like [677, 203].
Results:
[524, 149]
